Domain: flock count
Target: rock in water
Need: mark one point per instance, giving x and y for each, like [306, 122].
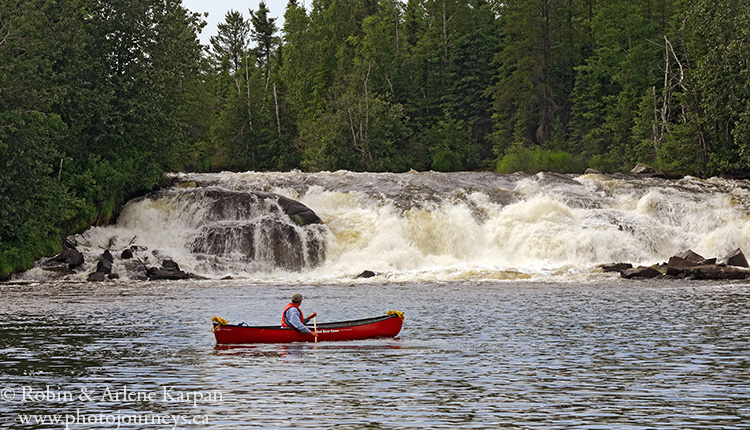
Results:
[127, 254]
[736, 258]
[691, 256]
[640, 272]
[615, 267]
[677, 265]
[265, 229]
[169, 271]
[104, 265]
[715, 272]
[367, 274]
[96, 277]
[71, 257]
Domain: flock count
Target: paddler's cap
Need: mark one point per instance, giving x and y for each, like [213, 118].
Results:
[296, 297]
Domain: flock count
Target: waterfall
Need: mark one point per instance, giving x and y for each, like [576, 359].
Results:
[427, 226]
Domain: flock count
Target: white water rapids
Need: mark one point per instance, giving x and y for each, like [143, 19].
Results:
[456, 226]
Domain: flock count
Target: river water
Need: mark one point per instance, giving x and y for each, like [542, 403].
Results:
[496, 354]
[509, 321]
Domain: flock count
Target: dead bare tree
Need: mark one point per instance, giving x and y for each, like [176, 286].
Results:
[276, 102]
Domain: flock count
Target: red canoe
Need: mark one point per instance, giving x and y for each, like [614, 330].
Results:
[369, 328]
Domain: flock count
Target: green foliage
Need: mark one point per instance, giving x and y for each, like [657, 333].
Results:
[680, 151]
[522, 159]
[97, 102]
[450, 145]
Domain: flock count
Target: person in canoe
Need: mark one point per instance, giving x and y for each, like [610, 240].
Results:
[292, 315]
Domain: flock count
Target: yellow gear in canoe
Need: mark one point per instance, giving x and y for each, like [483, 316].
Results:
[219, 321]
[399, 313]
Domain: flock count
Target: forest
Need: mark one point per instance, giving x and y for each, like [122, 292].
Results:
[99, 99]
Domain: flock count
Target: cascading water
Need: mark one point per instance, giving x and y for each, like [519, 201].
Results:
[429, 226]
[210, 231]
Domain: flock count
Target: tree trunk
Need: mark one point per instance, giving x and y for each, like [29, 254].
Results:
[276, 102]
[547, 110]
[445, 38]
[247, 84]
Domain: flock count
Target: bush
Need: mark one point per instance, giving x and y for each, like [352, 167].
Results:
[533, 160]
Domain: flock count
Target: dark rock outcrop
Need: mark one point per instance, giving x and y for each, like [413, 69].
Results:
[615, 267]
[689, 265]
[65, 262]
[678, 264]
[366, 274]
[735, 258]
[104, 268]
[690, 255]
[169, 270]
[641, 272]
[71, 257]
[714, 271]
[262, 228]
[126, 254]
[299, 213]
[96, 277]
[105, 263]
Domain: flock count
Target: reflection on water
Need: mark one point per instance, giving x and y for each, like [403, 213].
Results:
[471, 355]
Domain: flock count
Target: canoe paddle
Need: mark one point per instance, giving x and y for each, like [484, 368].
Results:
[315, 328]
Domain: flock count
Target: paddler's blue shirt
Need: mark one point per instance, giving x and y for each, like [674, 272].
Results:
[293, 318]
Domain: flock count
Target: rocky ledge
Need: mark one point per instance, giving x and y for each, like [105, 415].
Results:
[169, 270]
[688, 265]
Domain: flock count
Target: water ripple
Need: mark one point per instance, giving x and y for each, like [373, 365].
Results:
[471, 355]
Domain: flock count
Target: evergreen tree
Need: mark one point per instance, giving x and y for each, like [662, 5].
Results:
[232, 40]
[613, 80]
[263, 32]
[470, 73]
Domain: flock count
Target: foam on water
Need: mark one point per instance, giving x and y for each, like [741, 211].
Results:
[438, 226]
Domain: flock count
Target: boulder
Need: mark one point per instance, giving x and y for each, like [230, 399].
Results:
[71, 257]
[716, 272]
[96, 277]
[735, 258]
[677, 265]
[64, 262]
[135, 270]
[299, 213]
[640, 272]
[615, 267]
[126, 254]
[367, 274]
[690, 256]
[169, 271]
[104, 266]
[642, 169]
